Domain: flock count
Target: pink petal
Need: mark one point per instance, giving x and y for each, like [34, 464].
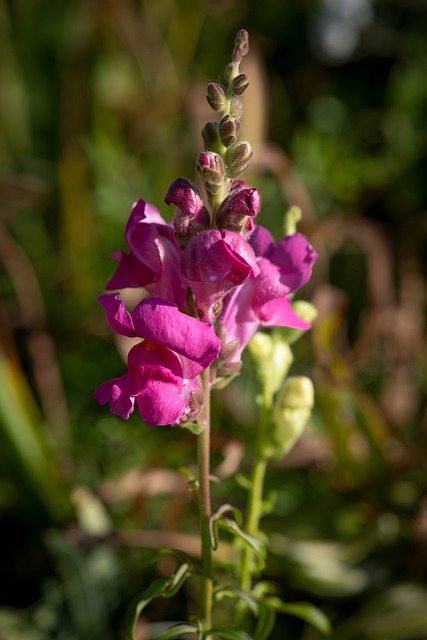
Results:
[161, 402]
[118, 318]
[162, 323]
[120, 393]
[279, 313]
[295, 257]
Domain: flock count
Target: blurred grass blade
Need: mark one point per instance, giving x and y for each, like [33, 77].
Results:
[24, 447]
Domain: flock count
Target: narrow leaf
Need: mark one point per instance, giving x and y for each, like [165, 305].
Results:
[228, 634]
[305, 611]
[177, 631]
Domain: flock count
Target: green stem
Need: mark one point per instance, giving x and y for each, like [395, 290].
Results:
[203, 455]
[254, 511]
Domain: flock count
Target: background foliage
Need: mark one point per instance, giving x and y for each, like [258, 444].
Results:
[102, 101]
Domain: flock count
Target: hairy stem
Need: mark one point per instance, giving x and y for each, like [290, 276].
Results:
[203, 454]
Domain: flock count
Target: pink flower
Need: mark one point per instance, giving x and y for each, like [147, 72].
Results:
[264, 300]
[153, 260]
[214, 262]
[163, 367]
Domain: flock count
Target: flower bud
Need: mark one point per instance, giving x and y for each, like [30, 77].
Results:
[216, 96]
[290, 220]
[239, 84]
[228, 129]
[242, 40]
[211, 167]
[237, 158]
[236, 107]
[237, 207]
[210, 136]
[191, 215]
[291, 412]
[271, 360]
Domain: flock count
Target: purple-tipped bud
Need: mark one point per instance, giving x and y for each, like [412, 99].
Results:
[237, 158]
[236, 107]
[211, 167]
[216, 96]
[183, 195]
[241, 45]
[238, 185]
[237, 207]
[239, 84]
[210, 136]
[228, 129]
[190, 214]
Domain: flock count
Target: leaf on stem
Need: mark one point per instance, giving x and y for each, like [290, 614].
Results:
[228, 634]
[164, 587]
[305, 611]
[177, 631]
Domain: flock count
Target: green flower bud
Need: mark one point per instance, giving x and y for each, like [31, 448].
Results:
[290, 220]
[237, 158]
[210, 136]
[271, 359]
[216, 96]
[228, 129]
[239, 84]
[291, 412]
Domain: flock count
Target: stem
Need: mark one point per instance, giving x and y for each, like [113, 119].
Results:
[203, 455]
[254, 512]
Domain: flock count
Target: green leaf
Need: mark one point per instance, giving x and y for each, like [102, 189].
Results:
[305, 611]
[216, 518]
[164, 587]
[193, 483]
[266, 619]
[255, 543]
[228, 634]
[234, 592]
[177, 631]
[194, 427]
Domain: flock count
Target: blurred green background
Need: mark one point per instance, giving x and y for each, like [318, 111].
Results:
[102, 102]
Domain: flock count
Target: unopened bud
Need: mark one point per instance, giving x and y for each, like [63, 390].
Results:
[185, 196]
[216, 96]
[242, 40]
[237, 158]
[290, 220]
[211, 167]
[291, 412]
[228, 129]
[210, 136]
[271, 360]
[239, 84]
[237, 207]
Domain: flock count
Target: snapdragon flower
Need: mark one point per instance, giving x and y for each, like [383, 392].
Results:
[264, 301]
[163, 367]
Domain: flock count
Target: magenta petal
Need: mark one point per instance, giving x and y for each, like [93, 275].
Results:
[142, 210]
[129, 272]
[118, 318]
[161, 402]
[120, 393]
[279, 313]
[162, 323]
[261, 241]
[295, 257]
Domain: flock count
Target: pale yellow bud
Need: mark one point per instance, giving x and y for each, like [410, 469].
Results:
[291, 412]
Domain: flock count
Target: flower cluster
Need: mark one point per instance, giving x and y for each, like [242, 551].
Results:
[213, 276]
